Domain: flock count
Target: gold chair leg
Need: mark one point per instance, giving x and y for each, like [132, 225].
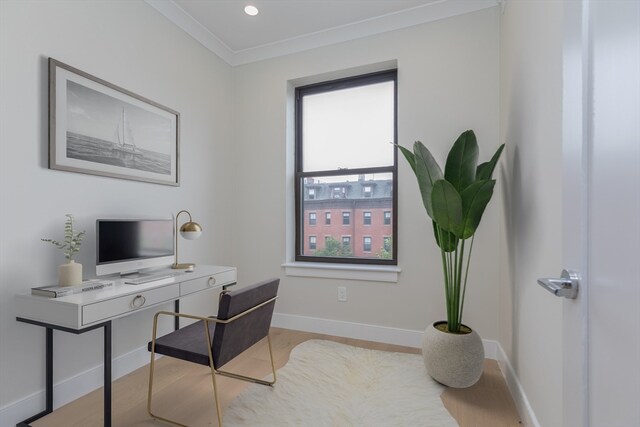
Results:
[152, 369]
[252, 379]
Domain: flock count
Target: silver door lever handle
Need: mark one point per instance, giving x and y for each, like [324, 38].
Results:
[566, 286]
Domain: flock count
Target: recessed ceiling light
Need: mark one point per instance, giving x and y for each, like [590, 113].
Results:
[251, 10]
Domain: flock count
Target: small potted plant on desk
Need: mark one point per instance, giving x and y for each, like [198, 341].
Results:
[455, 201]
[70, 273]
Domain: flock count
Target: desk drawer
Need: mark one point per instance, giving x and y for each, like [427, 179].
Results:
[213, 281]
[104, 310]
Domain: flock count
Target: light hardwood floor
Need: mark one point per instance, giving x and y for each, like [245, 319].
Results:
[488, 403]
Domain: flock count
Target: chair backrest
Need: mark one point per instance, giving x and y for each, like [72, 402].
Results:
[231, 339]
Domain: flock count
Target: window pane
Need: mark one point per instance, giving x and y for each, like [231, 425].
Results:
[348, 128]
[359, 229]
[366, 244]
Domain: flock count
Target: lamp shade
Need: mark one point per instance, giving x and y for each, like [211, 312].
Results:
[190, 230]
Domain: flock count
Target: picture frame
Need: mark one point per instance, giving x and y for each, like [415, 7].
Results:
[98, 128]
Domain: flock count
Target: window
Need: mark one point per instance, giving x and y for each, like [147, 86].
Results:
[366, 218]
[346, 241]
[338, 192]
[312, 218]
[346, 218]
[386, 245]
[343, 134]
[312, 243]
[366, 244]
[387, 218]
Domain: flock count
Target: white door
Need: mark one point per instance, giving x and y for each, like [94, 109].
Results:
[601, 211]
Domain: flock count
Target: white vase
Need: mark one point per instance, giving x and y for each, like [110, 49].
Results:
[70, 274]
[455, 360]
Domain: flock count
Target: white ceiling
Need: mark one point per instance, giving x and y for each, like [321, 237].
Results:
[287, 26]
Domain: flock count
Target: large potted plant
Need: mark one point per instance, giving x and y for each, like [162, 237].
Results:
[455, 201]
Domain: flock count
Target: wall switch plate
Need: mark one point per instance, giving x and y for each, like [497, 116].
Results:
[342, 293]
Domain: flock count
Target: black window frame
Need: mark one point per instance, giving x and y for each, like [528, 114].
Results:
[300, 174]
[315, 243]
[327, 218]
[314, 220]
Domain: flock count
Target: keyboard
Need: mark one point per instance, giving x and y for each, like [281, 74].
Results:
[149, 278]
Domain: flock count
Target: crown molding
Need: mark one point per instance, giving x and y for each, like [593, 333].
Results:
[418, 15]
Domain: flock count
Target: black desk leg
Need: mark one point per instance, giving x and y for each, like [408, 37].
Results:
[48, 372]
[176, 319]
[107, 374]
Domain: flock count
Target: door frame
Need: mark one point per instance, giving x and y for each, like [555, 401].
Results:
[576, 101]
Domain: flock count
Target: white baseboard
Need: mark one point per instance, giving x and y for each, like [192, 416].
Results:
[523, 406]
[361, 331]
[72, 388]
[408, 338]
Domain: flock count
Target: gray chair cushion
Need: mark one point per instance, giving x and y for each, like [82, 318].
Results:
[188, 343]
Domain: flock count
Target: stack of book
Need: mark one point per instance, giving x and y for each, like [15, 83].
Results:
[63, 291]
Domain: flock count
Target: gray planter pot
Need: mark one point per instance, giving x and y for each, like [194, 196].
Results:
[455, 360]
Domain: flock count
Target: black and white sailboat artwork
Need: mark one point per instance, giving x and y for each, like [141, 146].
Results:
[124, 146]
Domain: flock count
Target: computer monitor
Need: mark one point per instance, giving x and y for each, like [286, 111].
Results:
[131, 245]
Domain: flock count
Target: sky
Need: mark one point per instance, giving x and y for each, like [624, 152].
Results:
[349, 128]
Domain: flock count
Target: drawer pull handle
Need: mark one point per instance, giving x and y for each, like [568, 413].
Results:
[211, 281]
[138, 301]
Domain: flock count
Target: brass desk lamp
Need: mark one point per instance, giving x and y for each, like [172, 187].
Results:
[189, 230]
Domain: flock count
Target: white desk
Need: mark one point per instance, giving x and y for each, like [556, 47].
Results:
[80, 313]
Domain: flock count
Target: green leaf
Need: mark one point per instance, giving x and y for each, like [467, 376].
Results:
[449, 240]
[460, 169]
[447, 207]
[428, 172]
[474, 201]
[485, 170]
[411, 159]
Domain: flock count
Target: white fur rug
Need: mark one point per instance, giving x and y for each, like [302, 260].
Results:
[330, 384]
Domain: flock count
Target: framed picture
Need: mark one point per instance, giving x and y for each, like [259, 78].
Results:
[101, 129]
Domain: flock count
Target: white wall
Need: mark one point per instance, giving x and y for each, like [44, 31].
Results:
[531, 125]
[448, 80]
[128, 44]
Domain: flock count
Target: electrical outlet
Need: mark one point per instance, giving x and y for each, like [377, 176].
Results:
[342, 293]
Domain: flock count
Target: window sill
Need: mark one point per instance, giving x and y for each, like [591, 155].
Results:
[373, 273]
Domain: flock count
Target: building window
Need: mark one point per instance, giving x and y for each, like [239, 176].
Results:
[387, 217]
[346, 218]
[366, 218]
[386, 244]
[338, 193]
[346, 241]
[312, 243]
[366, 244]
[343, 130]
[312, 218]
